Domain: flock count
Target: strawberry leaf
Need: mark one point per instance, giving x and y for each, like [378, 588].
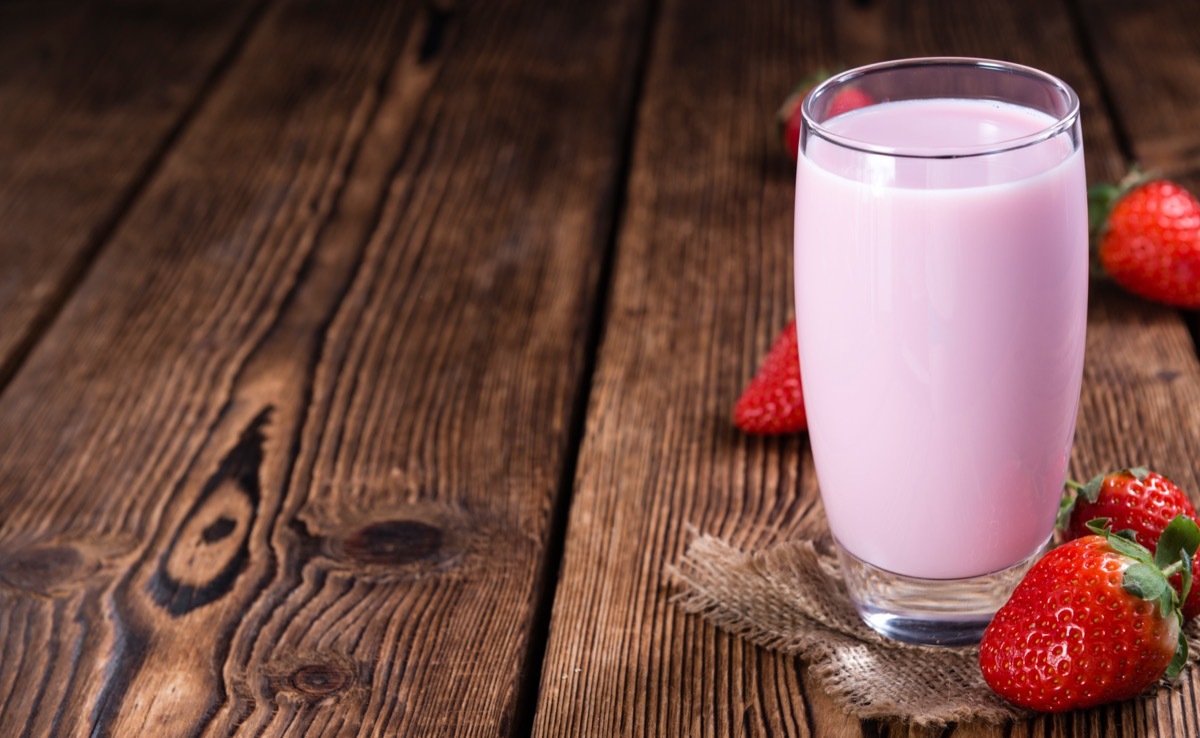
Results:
[1168, 602]
[1099, 526]
[1122, 541]
[1100, 200]
[1065, 506]
[1139, 472]
[1091, 490]
[1185, 577]
[1128, 534]
[1180, 533]
[1181, 654]
[1133, 550]
[1143, 580]
[1125, 544]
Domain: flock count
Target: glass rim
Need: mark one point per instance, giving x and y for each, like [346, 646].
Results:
[1061, 123]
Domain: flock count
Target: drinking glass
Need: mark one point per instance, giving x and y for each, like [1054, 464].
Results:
[941, 300]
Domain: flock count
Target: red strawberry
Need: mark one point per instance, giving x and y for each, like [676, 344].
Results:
[1148, 239]
[774, 401]
[1136, 500]
[789, 116]
[1093, 621]
[850, 98]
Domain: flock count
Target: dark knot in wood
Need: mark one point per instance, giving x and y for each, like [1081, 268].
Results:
[210, 547]
[394, 542]
[219, 529]
[320, 680]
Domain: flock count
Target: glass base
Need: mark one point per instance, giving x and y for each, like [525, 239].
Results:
[929, 612]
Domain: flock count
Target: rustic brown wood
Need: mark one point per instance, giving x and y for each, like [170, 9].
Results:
[1191, 180]
[701, 288]
[287, 461]
[1149, 57]
[93, 94]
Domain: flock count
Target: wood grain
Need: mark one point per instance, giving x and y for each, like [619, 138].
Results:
[1149, 57]
[286, 464]
[701, 288]
[93, 95]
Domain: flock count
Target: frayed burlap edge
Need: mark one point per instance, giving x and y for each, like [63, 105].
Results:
[791, 599]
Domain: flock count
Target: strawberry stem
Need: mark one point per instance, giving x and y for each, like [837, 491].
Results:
[1134, 177]
[1072, 484]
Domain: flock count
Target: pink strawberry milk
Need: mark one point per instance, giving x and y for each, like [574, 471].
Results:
[941, 297]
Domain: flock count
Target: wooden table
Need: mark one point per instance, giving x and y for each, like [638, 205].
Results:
[365, 364]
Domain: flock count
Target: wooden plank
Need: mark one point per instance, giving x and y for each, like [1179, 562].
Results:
[93, 94]
[287, 462]
[1149, 57]
[701, 288]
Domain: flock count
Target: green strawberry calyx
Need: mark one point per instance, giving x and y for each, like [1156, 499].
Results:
[1148, 575]
[1089, 492]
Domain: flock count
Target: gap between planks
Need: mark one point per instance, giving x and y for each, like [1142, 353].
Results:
[82, 262]
[528, 693]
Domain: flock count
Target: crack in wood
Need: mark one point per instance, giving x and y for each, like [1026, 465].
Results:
[435, 33]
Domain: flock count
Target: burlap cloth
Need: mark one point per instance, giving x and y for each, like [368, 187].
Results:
[791, 599]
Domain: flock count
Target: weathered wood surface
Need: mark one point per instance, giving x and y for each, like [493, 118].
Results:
[1148, 55]
[294, 457]
[701, 287]
[91, 96]
[287, 462]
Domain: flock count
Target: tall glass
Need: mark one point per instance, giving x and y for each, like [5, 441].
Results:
[941, 300]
